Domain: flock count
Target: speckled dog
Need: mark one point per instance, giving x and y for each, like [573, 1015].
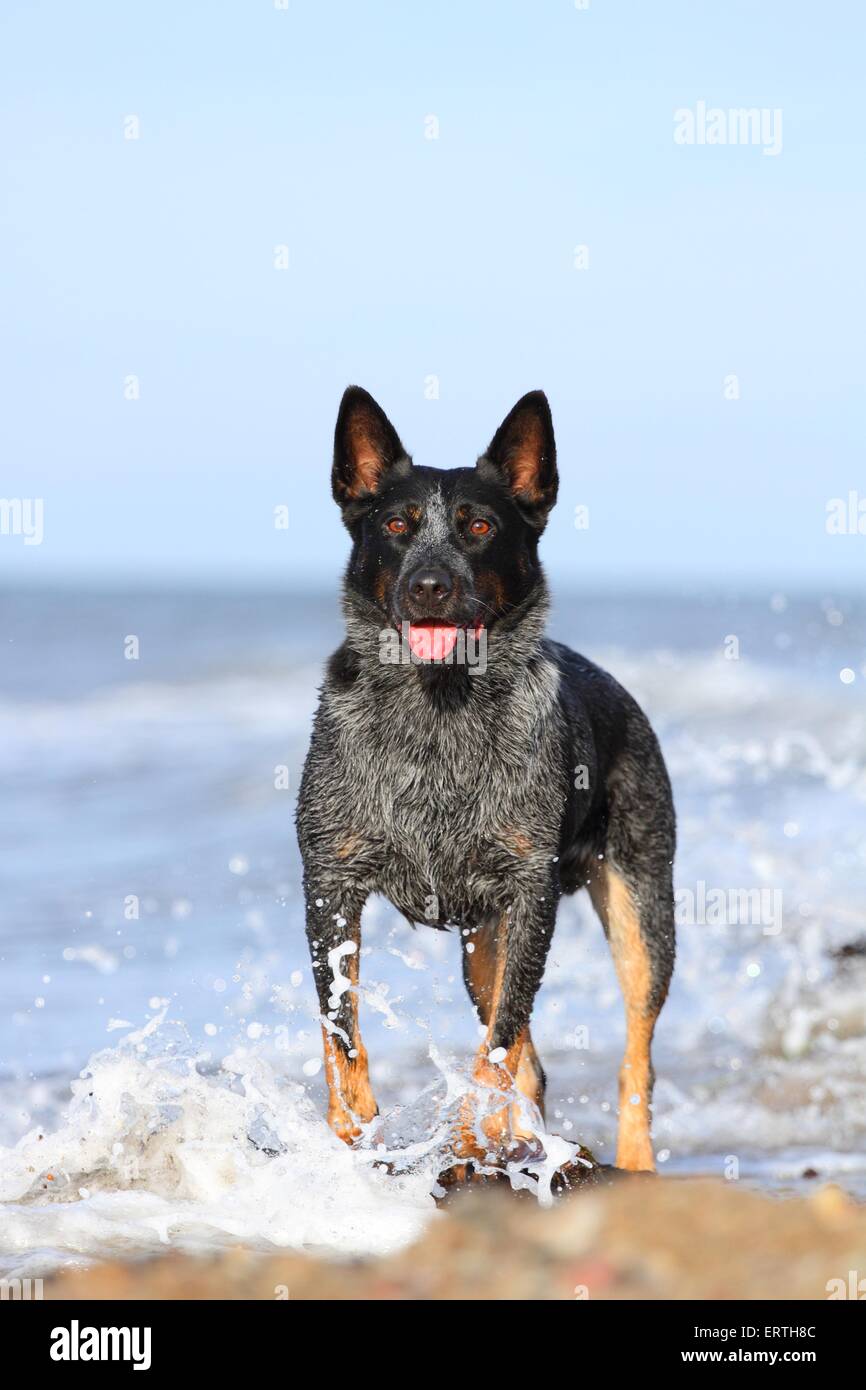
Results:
[476, 795]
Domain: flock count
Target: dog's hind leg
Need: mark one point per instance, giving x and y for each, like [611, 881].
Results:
[335, 947]
[640, 932]
[481, 957]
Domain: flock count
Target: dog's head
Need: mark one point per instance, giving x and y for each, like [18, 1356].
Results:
[444, 549]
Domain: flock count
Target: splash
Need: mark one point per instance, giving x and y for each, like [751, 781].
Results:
[157, 1150]
[159, 1147]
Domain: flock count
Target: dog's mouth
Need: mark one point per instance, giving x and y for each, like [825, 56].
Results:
[432, 640]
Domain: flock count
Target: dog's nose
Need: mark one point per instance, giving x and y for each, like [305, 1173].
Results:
[430, 586]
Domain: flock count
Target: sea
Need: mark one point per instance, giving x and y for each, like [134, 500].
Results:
[161, 1084]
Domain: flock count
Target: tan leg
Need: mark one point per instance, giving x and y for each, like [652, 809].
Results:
[350, 1096]
[530, 1075]
[615, 905]
[484, 968]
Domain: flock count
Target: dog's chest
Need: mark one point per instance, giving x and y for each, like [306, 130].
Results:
[444, 814]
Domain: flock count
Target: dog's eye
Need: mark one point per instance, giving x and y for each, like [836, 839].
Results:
[397, 526]
[480, 527]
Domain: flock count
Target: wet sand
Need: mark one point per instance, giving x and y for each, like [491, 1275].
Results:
[639, 1238]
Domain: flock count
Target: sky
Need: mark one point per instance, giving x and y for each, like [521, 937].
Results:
[430, 172]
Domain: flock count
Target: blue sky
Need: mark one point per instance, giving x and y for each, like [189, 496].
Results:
[411, 258]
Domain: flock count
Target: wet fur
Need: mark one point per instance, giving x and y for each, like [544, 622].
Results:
[454, 795]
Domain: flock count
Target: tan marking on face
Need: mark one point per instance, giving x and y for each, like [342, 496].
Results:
[616, 906]
[491, 588]
[382, 587]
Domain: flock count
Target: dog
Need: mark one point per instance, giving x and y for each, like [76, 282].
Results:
[475, 796]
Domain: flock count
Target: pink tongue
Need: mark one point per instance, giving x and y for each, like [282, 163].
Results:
[432, 643]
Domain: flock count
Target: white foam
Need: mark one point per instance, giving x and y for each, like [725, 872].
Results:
[155, 1151]
[169, 1155]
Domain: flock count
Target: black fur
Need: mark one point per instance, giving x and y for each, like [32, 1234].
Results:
[460, 796]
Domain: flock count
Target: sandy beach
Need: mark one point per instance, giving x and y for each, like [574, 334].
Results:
[640, 1238]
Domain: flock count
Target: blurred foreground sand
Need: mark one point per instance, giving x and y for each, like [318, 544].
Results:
[639, 1238]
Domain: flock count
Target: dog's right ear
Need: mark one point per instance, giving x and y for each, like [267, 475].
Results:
[367, 451]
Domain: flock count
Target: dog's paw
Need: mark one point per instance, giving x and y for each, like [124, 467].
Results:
[463, 1177]
[473, 1167]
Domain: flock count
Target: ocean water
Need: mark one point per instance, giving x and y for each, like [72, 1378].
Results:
[160, 1076]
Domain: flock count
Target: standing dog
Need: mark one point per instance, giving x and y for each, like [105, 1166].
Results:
[469, 796]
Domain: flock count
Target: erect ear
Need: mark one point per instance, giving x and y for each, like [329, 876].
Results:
[366, 449]
[522, 454]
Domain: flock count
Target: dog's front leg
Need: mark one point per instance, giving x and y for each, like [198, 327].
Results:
[334, 936]
[521, 942]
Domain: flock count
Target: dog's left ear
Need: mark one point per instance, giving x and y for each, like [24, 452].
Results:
[522, 454]
[367, 451]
